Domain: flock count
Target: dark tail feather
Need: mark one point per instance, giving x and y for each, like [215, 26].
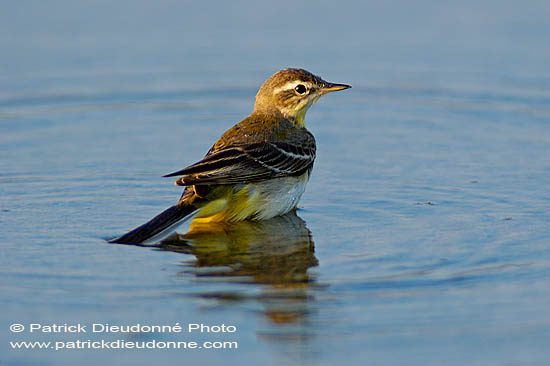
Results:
[157, 225]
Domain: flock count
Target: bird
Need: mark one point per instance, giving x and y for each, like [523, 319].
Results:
[258, 169]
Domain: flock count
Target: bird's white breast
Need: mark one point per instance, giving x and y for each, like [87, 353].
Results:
[276, 197]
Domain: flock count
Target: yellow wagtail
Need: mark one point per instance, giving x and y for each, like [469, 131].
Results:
[258, 169]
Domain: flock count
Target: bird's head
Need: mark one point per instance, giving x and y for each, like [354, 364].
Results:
[291, 92]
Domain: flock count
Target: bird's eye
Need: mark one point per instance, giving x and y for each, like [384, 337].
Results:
[300, 89]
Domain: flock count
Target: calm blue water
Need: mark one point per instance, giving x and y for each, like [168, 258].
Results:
[424, 236]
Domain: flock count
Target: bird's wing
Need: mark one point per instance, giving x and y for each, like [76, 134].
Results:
[251, 162]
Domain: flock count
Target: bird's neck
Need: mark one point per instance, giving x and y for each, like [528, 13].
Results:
[297, 119]
[300, 117]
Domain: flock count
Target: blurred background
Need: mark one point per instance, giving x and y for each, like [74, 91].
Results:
[423, 237]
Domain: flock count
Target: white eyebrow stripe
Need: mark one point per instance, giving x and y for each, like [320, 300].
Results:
[291, 85]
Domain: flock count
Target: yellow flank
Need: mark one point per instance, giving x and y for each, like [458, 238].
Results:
[233, 206]
[257, 201]
[212, 209]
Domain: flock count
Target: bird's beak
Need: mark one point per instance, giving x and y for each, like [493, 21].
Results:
[331, 87]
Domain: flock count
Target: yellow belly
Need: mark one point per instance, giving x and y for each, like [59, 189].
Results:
[256, 201]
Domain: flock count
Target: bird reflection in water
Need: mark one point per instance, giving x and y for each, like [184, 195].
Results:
[276, 252]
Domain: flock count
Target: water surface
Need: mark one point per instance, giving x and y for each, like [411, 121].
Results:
[424, 233]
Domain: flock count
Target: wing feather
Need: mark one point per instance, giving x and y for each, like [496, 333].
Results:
[252, 162]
